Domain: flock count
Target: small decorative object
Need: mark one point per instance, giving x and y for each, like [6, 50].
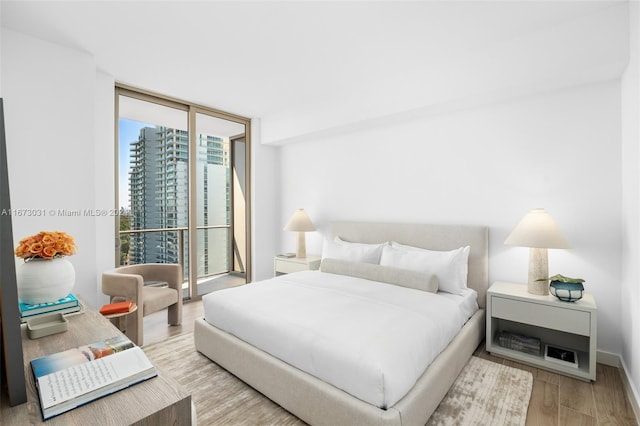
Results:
[565, 288]
[45, 325]
[561, 356]
[46, 275]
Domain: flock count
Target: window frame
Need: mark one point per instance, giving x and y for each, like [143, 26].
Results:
[192, 109]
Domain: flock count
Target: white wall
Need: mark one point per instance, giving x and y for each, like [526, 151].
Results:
[104, 183]
[54, 104]
[489, 166]
[265, 208]
[630, 288]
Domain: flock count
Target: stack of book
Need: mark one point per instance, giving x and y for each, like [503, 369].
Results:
[66, 305]
[518, 342]
[118, 308]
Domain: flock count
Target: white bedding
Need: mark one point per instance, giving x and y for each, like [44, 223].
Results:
[370, 339]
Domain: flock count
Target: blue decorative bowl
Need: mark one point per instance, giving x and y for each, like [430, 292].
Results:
[567, 292]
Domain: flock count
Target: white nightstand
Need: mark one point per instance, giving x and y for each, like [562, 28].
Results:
[570, 325]
[283, 265]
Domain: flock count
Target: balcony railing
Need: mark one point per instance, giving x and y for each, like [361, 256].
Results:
[180, 245]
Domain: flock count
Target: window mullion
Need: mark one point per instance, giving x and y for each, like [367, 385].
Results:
[193, 217]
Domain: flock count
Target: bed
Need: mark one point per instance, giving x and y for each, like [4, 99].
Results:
[318, 402]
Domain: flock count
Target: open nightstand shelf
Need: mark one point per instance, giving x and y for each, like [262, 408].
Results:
[582, 372]
[570, 325]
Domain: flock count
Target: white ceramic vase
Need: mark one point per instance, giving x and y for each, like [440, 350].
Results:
[44, 280]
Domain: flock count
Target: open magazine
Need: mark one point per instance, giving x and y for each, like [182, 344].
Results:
[68, 379]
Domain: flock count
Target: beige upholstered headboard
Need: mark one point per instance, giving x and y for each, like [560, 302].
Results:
[432, 237]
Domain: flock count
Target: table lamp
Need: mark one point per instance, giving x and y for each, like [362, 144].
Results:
[538, 231]
[300, 223]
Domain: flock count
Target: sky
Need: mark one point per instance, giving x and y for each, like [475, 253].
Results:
[128, 131]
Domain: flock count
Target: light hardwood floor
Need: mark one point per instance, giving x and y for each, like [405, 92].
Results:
[555, 400]
[157, 330]
[560, 400]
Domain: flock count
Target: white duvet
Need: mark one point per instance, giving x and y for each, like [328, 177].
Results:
[370, 339]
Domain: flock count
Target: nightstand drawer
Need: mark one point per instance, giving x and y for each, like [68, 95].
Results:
[285, 267]
[567, 320]
[295, 264]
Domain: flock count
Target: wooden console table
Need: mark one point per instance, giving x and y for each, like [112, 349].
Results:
[160, 400]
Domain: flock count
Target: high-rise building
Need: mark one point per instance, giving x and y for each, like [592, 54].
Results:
[159, 194]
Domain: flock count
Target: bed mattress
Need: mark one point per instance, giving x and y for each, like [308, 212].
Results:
[370, 339]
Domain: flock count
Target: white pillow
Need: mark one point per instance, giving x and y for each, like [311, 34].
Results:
[354, 252]
[451, 267]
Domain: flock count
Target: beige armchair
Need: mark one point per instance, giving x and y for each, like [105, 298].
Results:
[127, 283]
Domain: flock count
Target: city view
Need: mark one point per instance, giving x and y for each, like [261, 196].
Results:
[154, 225]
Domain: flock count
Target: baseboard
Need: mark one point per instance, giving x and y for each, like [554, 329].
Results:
[614, 360]
[632, 392]
[608, 358]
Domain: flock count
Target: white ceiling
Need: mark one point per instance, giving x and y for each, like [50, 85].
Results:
[271, 59]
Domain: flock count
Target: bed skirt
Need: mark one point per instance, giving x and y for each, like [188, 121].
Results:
[319, 403]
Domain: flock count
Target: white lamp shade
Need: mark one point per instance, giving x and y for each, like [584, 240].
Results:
[538, 230]
[300, 222]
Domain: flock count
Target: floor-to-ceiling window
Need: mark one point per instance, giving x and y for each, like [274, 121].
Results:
[182, 189]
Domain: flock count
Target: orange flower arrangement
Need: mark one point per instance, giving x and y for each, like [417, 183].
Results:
[46, 245]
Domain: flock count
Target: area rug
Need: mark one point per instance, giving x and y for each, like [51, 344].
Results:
[485, 393]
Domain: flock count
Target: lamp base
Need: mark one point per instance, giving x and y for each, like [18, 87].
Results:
[538, 287]
[301, 246]
[538, 268]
